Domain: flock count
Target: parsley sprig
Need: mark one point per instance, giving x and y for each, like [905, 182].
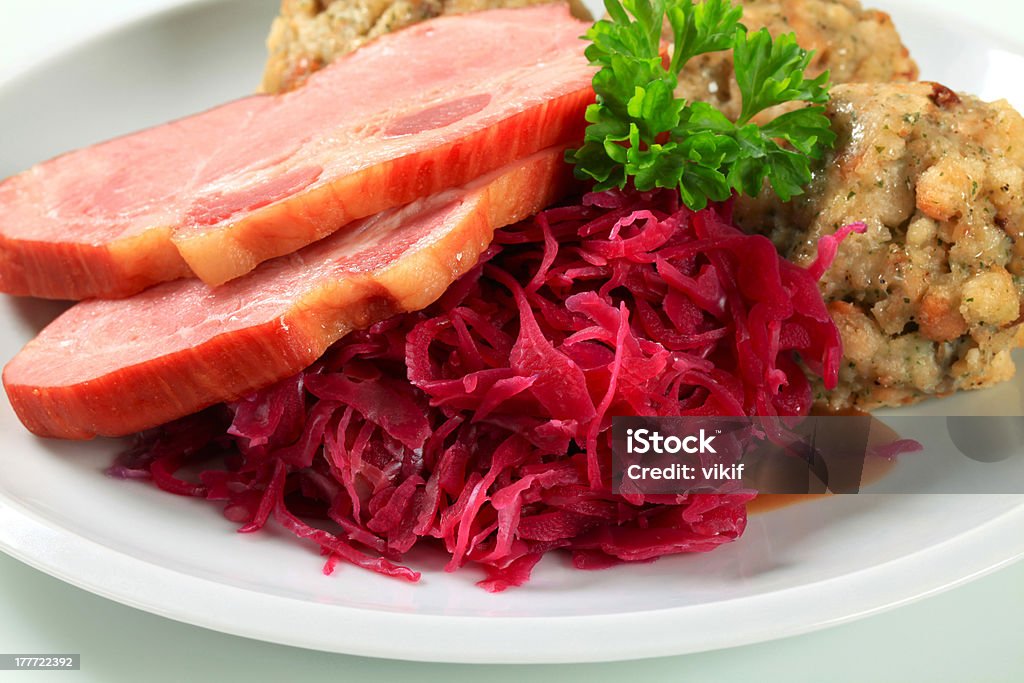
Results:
[639, 129]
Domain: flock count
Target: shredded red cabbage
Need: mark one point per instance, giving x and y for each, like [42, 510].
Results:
[483, 422]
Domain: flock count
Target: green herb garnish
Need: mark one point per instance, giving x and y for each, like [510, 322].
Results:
[639, 129]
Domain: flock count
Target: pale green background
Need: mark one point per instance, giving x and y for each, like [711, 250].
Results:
[973, 634]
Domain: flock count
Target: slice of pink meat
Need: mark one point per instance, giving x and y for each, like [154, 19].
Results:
[427, 108]
[113, 367]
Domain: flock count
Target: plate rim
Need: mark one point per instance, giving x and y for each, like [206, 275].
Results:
[182, 597]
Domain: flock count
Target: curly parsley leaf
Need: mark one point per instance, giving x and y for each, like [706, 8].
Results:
[771, 72]
[699, 29]
[638, 128]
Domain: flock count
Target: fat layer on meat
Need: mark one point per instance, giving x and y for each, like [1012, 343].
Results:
[928, 300]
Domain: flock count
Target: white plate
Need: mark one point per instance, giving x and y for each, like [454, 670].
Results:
[795, 570]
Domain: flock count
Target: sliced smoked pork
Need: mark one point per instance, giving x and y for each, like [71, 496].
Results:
[113, 367]
[427, 108]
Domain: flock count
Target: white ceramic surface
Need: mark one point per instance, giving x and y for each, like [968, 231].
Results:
[795, 570]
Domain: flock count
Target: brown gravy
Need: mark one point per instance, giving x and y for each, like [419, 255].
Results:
[874, 468]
